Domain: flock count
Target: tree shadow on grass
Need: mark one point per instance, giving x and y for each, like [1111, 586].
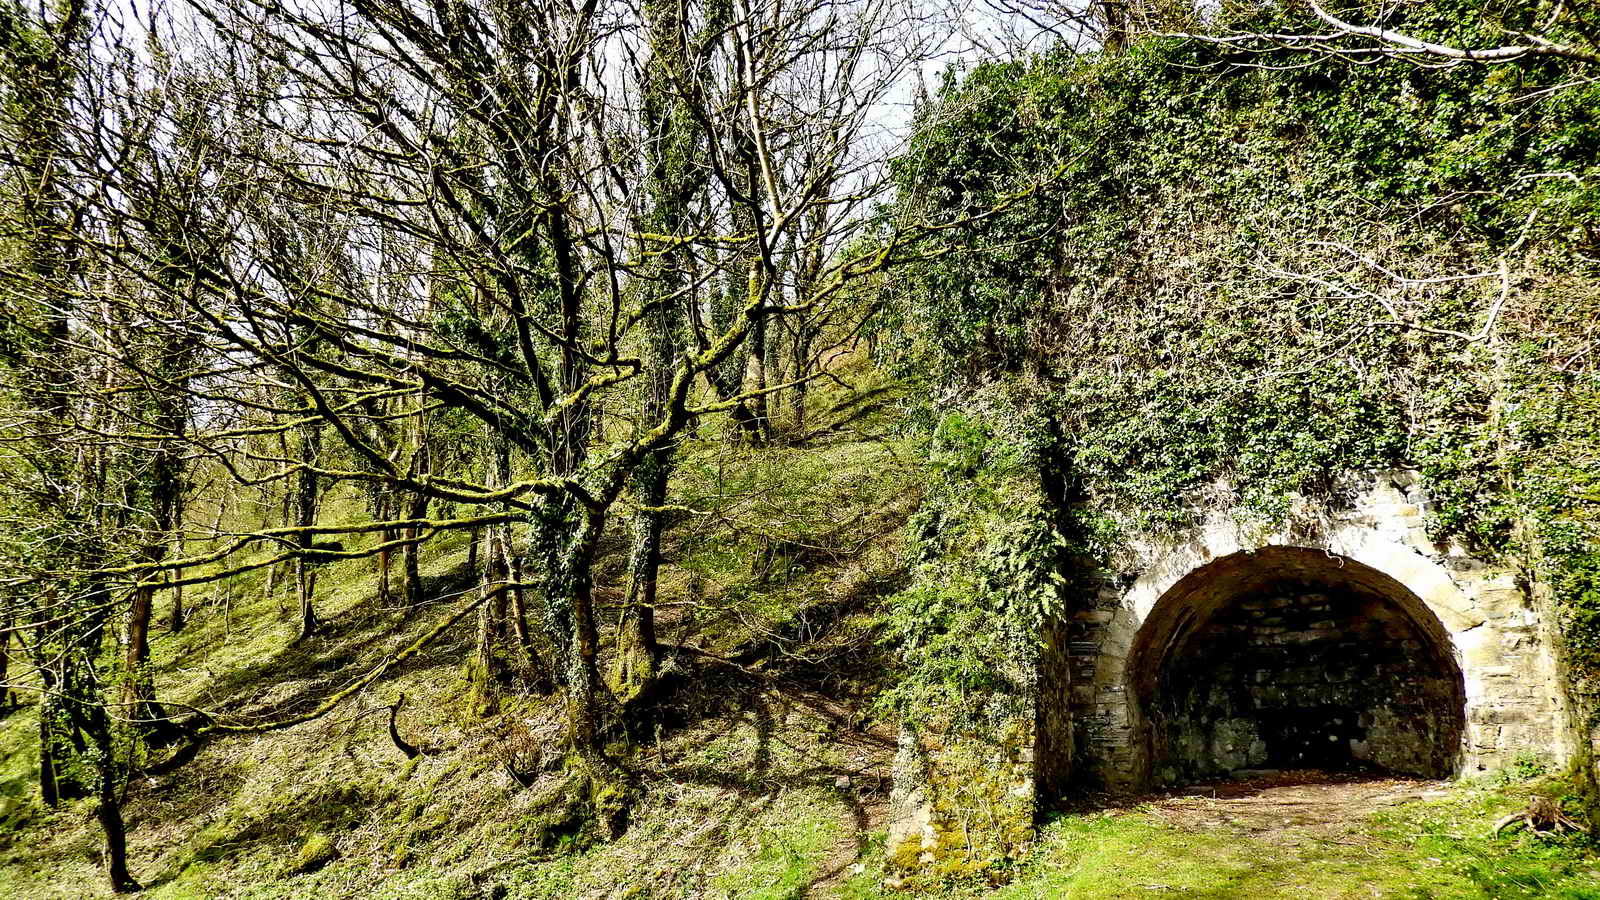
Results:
[203, 776]
[280, 826]
[360, 636]
[345, 646]
[719, 698]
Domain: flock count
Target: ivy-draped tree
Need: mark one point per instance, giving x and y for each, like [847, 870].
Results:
[58, 381]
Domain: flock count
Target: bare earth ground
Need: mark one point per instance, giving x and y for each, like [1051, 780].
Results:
[1292, 807]
[868, 755]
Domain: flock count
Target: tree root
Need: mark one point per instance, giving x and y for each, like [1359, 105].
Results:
[409, 750]
[1541, 814]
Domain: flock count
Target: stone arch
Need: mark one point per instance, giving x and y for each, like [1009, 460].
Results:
[1476, 624]
[1287, 656]
[1475, 613]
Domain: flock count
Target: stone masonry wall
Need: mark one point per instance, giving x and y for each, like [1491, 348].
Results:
[1295, 677]
[1477, 613]
[1437, 660]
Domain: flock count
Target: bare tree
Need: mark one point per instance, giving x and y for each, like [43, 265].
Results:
[1543, 29]
[335, 235]
[448, 209]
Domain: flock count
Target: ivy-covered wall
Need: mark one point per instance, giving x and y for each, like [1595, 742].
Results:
[1207, 277]
[986, 584]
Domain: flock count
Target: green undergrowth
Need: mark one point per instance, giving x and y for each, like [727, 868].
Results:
[797, 529]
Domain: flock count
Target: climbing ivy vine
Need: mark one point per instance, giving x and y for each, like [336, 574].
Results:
[986, 573]
[1259, 281]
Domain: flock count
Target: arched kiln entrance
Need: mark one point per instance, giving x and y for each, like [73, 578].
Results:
[1293, 657]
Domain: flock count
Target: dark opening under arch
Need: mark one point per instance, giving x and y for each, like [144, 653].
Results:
[1292, 657]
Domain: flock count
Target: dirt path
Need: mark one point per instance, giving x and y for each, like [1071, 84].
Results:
[1288, 807]
[863, 783]
[868, 812]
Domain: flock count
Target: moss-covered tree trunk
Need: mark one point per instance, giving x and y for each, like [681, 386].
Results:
[306, 496]
[382, 509]
[49, 712]
[139, 687]
[416, 511]
[166, 498]
[108, 798]
[637, 648]
[6, 691]
[411, 553]
[806, 327]
[491, 671]
[587, 696]
[671, 87]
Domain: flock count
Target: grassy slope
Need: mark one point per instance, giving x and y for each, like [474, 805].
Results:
[764, 781]
[741, 782]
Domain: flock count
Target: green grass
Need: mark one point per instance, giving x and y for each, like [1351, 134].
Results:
[783, 857]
